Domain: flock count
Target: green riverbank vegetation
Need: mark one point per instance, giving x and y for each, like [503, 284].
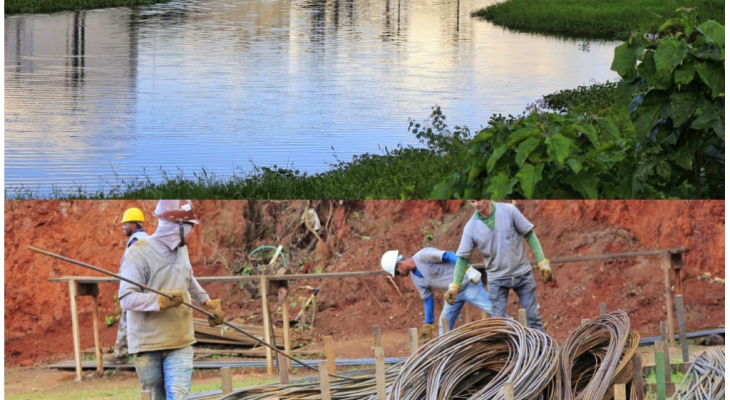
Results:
[49, 6]
[600, 19]
[658, 133]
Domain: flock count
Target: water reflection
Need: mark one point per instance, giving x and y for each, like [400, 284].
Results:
[96, 94]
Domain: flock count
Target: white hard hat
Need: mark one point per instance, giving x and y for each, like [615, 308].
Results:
[390, 260]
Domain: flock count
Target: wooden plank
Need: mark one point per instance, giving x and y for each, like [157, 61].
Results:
[97, 333]
[146, 395]
[87, 289]
[509, 391]
[637, 381]
[666, 266]
[667, 368]
[267, 325]
[287, 332]
[329, 349]
[619, 391]
[226, 380]
[283, 370]
[211, 279]
[380, 373]
[75, 329]
[661, 389]
[467, 313]
[445, 325]
[682, 328]
[602, 308]
[376, 335]
[522, 317]
[413, 336]
[677, 264]
[324, 381]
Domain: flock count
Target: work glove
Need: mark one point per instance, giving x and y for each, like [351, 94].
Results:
[450, 295]
[165, 302]
[214, 307]
[426, 334]
[546, 274]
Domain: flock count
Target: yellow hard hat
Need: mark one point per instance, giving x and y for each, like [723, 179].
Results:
[133, 215]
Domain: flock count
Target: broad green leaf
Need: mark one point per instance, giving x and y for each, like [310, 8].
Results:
[525, 148]
[608, 125]
[663, 169]
[558, 147]
[683, 105]
[655, 105]
[522, 134]
[442, 191]
[624, 58]
[500, 186]
[672, 22]
[669, 54]
[714, 32]
[584, 183]
[685, 157]
[529, 175]
[708, 117]
[708, 52]
[591, 134]
[713, 74]
[496, 155]
[575, 165]
[684, 74]
[484, 135]
[647, 70]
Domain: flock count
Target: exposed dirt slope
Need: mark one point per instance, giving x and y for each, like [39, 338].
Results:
[354, 235]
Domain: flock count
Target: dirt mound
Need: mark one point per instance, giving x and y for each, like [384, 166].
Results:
[352, 237]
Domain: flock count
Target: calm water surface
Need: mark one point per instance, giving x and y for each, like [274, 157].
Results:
[94, 96]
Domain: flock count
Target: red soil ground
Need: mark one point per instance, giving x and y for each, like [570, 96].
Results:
[354, 236]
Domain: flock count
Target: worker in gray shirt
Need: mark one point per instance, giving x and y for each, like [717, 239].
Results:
[433, 269]
[497, 231]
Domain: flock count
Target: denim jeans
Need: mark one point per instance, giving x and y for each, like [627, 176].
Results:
[471, 293]
[120, 346]
[167, 373]
[525, 289]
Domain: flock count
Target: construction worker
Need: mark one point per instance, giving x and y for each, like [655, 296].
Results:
[132, 228]
[497, 231]
[160, 331]
[433, 269]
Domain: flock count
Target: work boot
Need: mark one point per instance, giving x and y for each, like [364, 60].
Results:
[114, 359]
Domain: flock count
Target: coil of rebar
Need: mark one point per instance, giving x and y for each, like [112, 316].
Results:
[476, 360]
[705, 379]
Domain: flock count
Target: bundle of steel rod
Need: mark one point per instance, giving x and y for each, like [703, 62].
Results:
[705, 378]
[597, 356]
[476, 360]
[362, 387]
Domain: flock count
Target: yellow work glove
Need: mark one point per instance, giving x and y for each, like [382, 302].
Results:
[426, 333]
[450, 296]
[214, 307]
[546, 274]
[165, 302]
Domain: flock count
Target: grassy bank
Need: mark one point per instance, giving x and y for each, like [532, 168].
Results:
[603, 19]
[49, 6]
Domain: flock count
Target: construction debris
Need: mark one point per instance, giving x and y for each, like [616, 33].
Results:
[705, 379]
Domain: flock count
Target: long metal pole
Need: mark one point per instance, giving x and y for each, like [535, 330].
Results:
[194, 307]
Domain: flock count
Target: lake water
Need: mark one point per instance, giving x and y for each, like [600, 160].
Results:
[96, 96]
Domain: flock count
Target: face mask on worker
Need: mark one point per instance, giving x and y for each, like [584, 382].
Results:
[169, 232]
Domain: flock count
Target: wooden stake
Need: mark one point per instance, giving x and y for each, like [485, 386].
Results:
[97, 334]
[667, 368]
[661, 389]
[376, 335]
[287, 334]
[467, 313]
[267, 324]
[283, 371]
[602, 308]
[682, 328]
[509, 391]
[75, 328]
[329, 349]
[380, 373]
[146, 395]
[324, 381]
[619, 391]
[445, 325]
[637, 381]
[522, 317]
[485, 315]
[413, 336]
[666, 267]
[226, 380]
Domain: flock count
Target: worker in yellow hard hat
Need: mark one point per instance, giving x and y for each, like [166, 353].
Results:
[132, 226]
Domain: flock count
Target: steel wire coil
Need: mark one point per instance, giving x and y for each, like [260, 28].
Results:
[705, 379]
[476, 360]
